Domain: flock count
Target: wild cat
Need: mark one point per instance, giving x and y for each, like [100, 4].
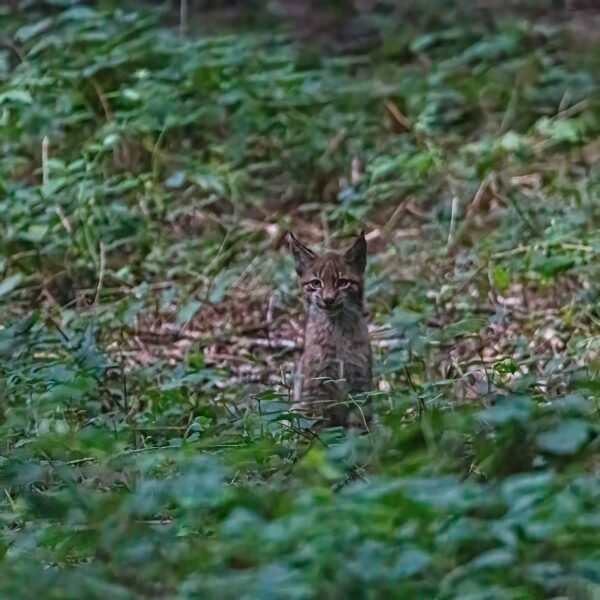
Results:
[337, 359]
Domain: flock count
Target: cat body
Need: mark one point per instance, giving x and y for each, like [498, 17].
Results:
[337, 360]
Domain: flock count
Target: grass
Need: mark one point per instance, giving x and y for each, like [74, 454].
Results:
[149, 315]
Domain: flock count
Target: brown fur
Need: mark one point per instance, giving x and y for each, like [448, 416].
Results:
[337, 360]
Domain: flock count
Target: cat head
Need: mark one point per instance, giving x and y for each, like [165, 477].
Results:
[332, 282]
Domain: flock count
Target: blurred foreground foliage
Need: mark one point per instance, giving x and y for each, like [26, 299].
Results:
[135, 165]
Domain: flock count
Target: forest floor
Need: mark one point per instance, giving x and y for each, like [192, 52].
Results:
[150, 319]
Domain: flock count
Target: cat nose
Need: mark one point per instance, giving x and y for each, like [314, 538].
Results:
[328, 300]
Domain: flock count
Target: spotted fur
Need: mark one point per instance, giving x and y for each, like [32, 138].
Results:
[337, 359]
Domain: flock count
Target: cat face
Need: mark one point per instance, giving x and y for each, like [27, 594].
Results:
[332, 282]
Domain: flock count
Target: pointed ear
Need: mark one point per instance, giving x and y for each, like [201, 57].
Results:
[302, 255]
[356, 256]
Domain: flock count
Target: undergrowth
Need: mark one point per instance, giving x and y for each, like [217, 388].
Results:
[149, 316]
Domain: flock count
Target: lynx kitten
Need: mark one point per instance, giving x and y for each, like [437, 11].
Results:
[336, 362]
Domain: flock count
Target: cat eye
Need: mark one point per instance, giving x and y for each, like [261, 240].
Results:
[343, 283]
[316, 283]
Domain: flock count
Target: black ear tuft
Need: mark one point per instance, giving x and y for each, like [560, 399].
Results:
[303, 256]
[356, 255]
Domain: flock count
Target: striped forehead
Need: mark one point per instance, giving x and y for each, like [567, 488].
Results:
[330, 266]
[330, 270]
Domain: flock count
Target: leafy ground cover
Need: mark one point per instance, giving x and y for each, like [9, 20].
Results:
[149, 316]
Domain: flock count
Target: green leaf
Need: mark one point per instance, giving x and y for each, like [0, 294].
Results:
[567, 437]
[188, 310]
[552, 265]
[9, 284]
[512, 142]
[509, 408]
[27, 32]
[501, 277]
[494, 559]
[16, 97]
[410, 562]
[176, 180]
[560, 130]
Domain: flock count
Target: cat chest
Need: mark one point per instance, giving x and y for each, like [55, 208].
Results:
[339, 359]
